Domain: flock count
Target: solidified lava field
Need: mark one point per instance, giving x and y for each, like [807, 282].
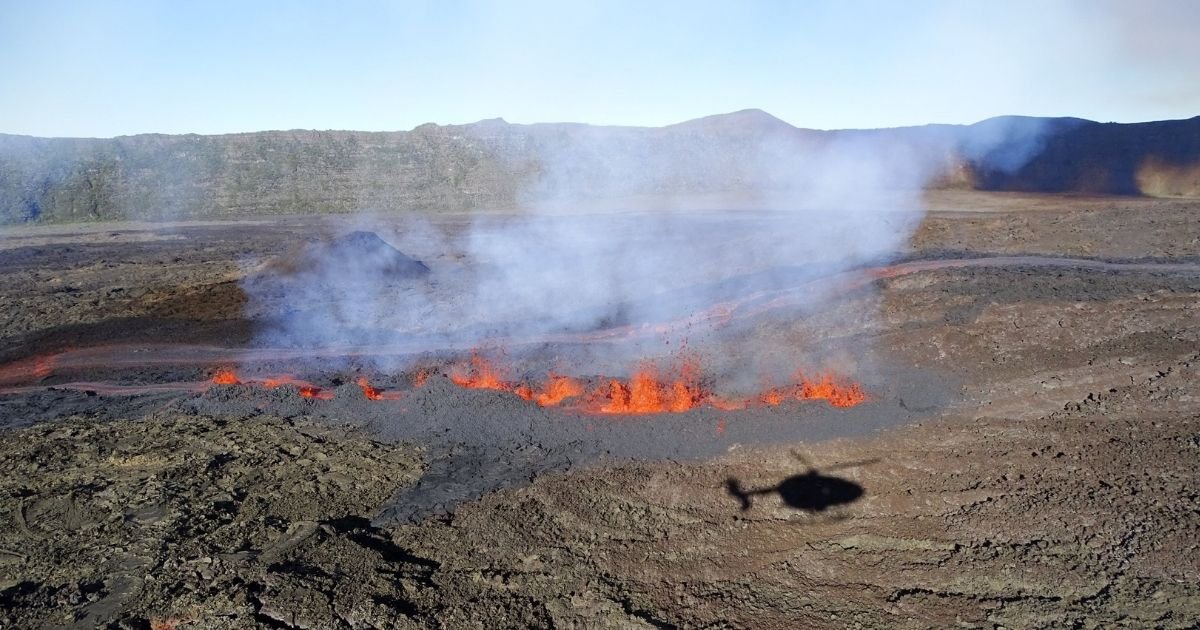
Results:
[1025, 452]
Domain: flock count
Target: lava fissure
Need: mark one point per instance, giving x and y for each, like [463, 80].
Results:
[646, 392]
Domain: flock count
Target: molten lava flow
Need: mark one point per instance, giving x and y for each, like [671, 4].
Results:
[838, 393]
[420, 377]
[835, 393]
[645, 393]
[557, 389]
[370, 392]
[376, 394]
[315, 392]
[771, 397]
[43, 366]
[686, 392]
[479, 374]
[225, 376]
[279, 381]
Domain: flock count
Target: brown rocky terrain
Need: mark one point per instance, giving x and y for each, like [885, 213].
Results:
[1055, 486]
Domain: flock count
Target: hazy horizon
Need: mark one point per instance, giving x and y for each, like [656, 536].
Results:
[76, 69]
[573, 122]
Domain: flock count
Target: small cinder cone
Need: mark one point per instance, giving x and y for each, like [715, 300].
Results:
[357, 252]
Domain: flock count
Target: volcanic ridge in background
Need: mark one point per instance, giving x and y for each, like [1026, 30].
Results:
[496, 165]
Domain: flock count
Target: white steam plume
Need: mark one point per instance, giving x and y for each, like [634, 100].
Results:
[627, 226]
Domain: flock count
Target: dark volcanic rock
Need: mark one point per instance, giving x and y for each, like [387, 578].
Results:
[1071, 155]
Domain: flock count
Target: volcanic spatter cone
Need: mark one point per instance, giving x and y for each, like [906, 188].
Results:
[360, 251]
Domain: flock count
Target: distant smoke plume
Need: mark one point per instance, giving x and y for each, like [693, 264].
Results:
[624, 226]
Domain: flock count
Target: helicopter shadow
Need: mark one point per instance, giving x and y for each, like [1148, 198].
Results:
[812, 491]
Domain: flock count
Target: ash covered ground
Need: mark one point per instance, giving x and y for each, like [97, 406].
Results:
[1028, 456]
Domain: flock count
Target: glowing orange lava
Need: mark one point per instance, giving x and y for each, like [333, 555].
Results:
[286, 379]
[524, 391]
[828, 389]
[479, 374]
[420, 377]
[373, 393]
[370, 392]
[557, 389]
[771, 397]
[316, 393]
[645, 392]
[839, 393]
[225, 376]
[649, 390]
[43, 366]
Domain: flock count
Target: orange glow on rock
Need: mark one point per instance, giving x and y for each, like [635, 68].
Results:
[726, 405]
[370, 392]
[479, 374]
[303, 387]
[648, 392]
[272, 382]
[557, 389]
[373, 393]
[315, 392]
[771, 397]
[829, 389]
[645, 392]
[225, 376]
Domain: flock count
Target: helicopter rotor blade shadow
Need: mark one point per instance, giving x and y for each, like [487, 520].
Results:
[858, 464]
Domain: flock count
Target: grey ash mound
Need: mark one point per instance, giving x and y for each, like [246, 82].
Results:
[324, 290]
[359, 252]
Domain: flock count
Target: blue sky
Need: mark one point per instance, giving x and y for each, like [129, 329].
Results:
[113, 67]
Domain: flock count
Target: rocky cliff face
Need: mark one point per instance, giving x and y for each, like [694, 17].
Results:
[493, 164]
[1153, 159]
[156, 176]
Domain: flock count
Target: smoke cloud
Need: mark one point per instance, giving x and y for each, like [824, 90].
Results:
[621, 228]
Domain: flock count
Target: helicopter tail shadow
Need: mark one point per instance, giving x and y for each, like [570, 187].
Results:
[734, 488]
